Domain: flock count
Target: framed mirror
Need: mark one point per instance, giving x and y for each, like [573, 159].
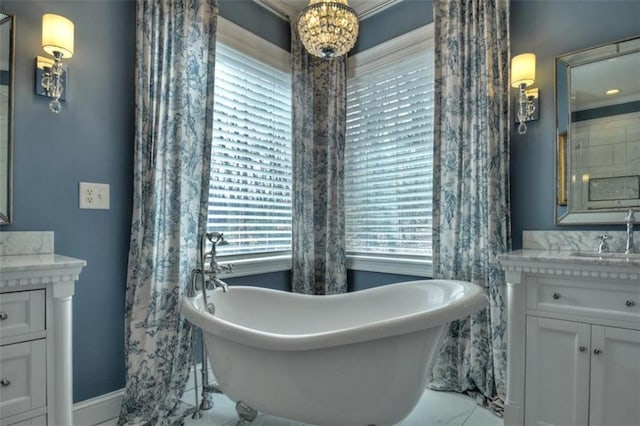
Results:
[598, 133]
[7, 52]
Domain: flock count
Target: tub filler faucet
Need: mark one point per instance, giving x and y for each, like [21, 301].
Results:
[629, 220]
[216, 239]
[221, 284]
[203, 277]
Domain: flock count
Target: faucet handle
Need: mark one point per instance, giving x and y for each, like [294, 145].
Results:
[227, 268]
[603, 247]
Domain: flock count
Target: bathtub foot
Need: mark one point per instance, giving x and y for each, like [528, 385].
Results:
[246, 413]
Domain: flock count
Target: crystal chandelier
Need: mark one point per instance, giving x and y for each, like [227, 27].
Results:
[328, 28]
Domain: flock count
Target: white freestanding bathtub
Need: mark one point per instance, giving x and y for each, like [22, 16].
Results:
[358, 358]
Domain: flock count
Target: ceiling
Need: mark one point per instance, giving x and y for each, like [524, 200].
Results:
[293, 8]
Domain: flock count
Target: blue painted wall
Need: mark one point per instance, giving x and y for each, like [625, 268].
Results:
[550, 29]
[91, 141]
[255, 18]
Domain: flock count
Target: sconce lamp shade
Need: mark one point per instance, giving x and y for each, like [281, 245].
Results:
[57, 35]
[523, 69]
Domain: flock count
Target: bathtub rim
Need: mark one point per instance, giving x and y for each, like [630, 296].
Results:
[474, 299]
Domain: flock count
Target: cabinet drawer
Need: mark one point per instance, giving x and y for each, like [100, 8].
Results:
[612, 300]
[21, 312]
[22, 377]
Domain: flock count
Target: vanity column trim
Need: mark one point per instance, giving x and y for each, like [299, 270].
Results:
[61, 411]
[516, 326]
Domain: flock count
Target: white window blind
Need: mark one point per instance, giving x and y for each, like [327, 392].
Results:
[389, 151]
[250, 192]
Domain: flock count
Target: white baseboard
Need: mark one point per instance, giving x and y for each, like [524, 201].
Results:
[98, 410]
[106, 407]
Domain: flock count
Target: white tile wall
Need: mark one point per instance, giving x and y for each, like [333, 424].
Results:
[603, 147]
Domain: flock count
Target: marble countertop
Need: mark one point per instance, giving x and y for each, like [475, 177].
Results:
[34, 262]
[558, 257]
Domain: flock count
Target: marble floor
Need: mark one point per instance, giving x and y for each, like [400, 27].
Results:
[434, 409]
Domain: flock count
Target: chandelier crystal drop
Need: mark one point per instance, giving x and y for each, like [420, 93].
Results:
[328, 28]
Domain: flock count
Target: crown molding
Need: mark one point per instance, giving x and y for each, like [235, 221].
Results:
[288, 11]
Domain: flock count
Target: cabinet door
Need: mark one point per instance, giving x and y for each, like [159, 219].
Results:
[557, 372]
[615, 376]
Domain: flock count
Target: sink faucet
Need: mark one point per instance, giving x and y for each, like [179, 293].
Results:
[629, 220]
[603, 247]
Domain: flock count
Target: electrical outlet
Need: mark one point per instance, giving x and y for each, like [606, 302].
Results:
[94, 195]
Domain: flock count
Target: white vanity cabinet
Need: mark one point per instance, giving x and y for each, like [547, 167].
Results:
[574, 339]
[581, 374]
[35, 339]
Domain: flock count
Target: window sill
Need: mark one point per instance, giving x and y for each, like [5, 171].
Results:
[243, 267]
[413, 267]
[261, 265]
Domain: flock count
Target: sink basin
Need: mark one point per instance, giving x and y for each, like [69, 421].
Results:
[606, 255]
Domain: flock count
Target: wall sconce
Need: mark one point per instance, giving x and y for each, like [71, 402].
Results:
[51, 74]
[523, 75]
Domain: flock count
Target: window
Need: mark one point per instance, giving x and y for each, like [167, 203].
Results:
[250, 192]
[389, 155]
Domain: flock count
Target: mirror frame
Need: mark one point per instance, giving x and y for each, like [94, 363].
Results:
[579, 218]
[6, 216]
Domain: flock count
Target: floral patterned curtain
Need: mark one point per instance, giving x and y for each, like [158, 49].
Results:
[175, 44]
[318, 134]
[471, 214]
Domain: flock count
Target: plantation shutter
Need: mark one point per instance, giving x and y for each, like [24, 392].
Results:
[389, 156]
[250, 192]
